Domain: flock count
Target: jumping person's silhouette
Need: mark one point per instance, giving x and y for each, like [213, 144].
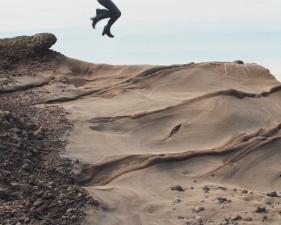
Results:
[112, 12]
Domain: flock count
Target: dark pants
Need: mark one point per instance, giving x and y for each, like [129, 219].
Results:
[113, 13]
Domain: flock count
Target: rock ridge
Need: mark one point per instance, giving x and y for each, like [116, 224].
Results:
[21, 48]
[25, 46]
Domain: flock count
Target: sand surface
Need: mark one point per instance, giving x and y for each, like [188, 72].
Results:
[183, 144]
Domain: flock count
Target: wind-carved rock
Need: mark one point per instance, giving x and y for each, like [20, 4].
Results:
[24, 47]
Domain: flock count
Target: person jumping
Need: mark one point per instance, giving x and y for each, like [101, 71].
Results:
[111, 12]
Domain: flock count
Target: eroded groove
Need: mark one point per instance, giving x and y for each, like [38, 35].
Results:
[173, 131]
[152, 71]
[140, 81]
[229, 92]
[128, 83]
[271, 91]
[108, 170]
[99, 122]
[25, 87]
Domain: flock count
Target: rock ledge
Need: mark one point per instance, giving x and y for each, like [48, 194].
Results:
[23, 47]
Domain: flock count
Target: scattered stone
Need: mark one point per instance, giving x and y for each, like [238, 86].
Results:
[177, 188]
[25, 166]
[35, 182]
[190, 223]
[38, 194]
[198, 218]
[69, 210]
[260, 209]
[199, 209]
[177, 200]
[272, 194]
[238, 61]
[223, 188]
[224, 222]
[221, 200]
[37, 203]
[73, 217]
[248, 219]
[268, 203]
[43, 222]
[206, 188]
[236, 217]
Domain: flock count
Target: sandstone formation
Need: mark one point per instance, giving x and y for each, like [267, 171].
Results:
[23, 47]
[188, 144]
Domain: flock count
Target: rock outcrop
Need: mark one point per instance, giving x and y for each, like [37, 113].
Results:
[180, 144]
[26, 46]
[23, 48]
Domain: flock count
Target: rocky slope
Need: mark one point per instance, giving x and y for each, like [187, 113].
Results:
[36, 184]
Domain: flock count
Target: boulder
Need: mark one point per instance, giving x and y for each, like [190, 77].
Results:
[23, 47]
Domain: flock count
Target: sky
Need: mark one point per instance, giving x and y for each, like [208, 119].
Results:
[155, 32]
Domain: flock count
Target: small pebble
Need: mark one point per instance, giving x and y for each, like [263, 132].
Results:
[199, 209]
[177, 188]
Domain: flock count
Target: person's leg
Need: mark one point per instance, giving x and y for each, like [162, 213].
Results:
[102, 14]
[113, 12]
[98, 12]
[101, 11]
[113, 19]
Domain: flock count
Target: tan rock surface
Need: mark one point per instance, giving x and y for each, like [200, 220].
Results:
[141, 129]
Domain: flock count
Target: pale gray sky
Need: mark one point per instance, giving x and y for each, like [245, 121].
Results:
[155, 31]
